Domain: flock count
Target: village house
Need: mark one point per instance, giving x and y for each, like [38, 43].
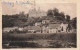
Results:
[50, 28]
[8, 29]
[64, 27]
[53, 28]
[33, 29]
[45, 21]
[20, 28]
[45, 29]
[38, 24]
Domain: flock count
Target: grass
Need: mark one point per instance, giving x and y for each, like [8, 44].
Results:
[41, 40]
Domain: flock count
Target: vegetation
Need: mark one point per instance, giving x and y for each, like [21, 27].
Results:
[20, 39]
[61, 40]
[23, 19]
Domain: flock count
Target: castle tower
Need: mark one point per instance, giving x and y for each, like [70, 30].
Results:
[36, 12]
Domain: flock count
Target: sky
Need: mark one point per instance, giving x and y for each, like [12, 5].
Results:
[67, 8]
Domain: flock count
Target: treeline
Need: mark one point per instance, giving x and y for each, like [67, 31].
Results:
[22, 19]
[58, 15]
[62, 17]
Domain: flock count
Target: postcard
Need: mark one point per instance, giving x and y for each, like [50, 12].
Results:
[39, 24]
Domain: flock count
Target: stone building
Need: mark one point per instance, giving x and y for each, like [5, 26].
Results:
[36, 13]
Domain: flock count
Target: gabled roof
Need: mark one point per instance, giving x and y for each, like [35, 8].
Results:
[54, 26]
[32, 28]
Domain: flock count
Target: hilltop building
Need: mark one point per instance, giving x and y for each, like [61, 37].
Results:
[36, 13]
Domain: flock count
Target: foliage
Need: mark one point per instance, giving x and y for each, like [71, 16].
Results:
[74, 23]
[23, 19]
[9, 20]
[67, 18]
[50, 13]
[56, 14]
[14, 20]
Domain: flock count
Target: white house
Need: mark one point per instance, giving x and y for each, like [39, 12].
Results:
[38, 24]
[45, 21]
[45, 29]
[20, 28]
[57, 28]
[63, 27]
[53, 28]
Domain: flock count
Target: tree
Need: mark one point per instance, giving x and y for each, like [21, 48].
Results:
[8, 20]
[62, 15]
[68, 18]
[49, 13]
[22, 20]
[59, 16]
[56, 12]
[74, 23]
[56, 15]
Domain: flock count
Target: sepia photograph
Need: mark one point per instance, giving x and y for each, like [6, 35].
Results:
[29, 24]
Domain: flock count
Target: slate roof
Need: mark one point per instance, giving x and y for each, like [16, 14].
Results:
[54, 26]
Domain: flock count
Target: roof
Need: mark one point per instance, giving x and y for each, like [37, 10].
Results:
[62, 24]
[32, 28]
[54, 25]
[38, 22]
[10, 28]
[45, 20]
